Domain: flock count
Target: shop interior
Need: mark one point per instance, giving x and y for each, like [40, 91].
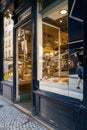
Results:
[56, 58]
[24, 64]
[55, 47]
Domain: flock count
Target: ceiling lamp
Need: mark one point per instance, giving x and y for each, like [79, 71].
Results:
[60, 21]
[63, 11]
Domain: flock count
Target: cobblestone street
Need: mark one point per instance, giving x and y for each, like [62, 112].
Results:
[12, 118]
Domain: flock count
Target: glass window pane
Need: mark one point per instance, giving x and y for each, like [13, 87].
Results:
[24, 61]
[8, 48]
[62, 60]
[55, 54]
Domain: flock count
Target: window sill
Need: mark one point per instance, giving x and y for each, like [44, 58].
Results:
[9, 83]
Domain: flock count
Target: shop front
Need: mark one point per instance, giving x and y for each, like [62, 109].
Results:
[47, 40]
[60, 48]
[23, 54]
[18, 53]
[24, 63]
[7, 52]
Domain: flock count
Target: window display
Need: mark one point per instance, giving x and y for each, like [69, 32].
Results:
[24, 58]
[60, 58]
[55, 54]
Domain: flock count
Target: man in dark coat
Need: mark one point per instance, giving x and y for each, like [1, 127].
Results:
[80, 74]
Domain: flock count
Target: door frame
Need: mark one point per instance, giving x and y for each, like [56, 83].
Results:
[16, 96]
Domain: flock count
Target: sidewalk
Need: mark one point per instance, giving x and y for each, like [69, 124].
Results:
[12, 118]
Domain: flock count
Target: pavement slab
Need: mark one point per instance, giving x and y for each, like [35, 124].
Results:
[12, 118]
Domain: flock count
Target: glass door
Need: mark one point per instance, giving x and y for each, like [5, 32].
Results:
[24, 64]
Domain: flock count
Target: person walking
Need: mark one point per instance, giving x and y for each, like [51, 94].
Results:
[80, 74]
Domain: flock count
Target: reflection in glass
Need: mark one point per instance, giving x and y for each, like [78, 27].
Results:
[8, 48]
[75, 70]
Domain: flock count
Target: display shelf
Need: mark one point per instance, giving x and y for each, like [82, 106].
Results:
[55, 66]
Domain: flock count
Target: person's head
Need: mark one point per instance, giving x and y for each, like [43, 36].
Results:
[79, 64]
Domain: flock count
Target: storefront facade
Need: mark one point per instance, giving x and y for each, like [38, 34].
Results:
[19, 71]
[48, 40]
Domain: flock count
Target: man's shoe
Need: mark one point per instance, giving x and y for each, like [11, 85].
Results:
[78, 87]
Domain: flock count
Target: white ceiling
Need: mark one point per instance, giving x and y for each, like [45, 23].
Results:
[56, 15]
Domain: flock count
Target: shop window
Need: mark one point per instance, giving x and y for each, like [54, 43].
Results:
[8, 59]
[55, 54]
[58, 57]
[24, 61]
[24, 54]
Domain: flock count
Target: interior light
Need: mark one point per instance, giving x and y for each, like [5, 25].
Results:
[64, 11]
[61, 21]
[8, 10]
